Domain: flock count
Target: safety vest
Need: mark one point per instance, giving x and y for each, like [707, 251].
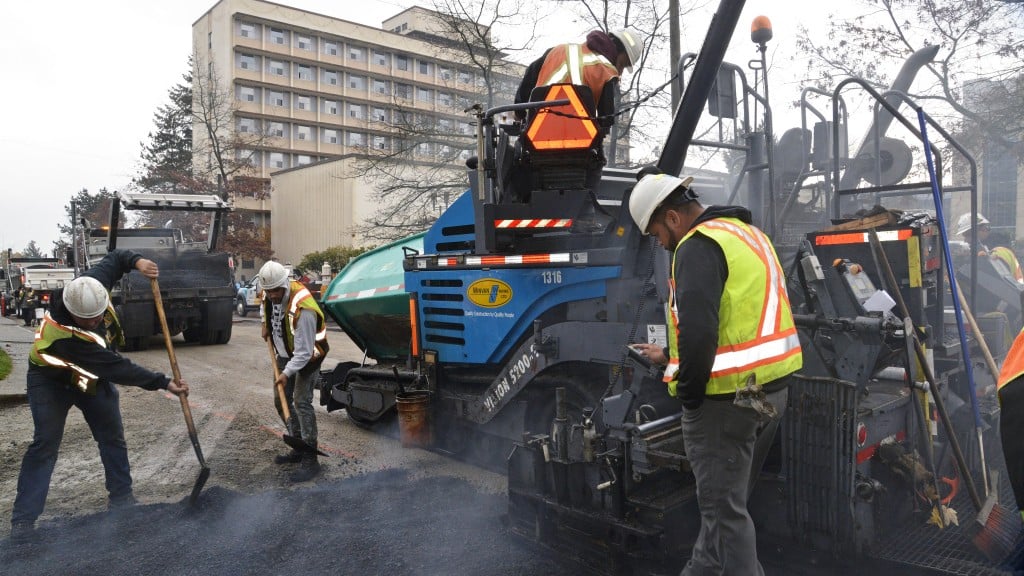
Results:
[756, 333]
[301, 299]
[1013, 365]
[1010, 259]
[576, 64]
[51, 331]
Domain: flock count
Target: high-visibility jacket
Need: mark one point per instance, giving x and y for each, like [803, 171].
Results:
[756, 333]
[1010, 259]
[577, 64]
[300, 299]
[1013, 365]
[51, 331]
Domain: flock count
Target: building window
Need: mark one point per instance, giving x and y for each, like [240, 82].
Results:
[465, 128]
[403, 91]
[444, 98]
[304, 42]
[355, 54]
[357, 82]
[356, 139]
[209, 40]
[330, 47]
[303, 159]
[380, 114]
[303, 133]
[278, 36]
[423, 149]
[248, 62]
[444, 73]
[275, 98]
[401, 62]
[304, 72]
[444, 125]
[303, 102]
[247, 125]
[356, 111]
[465, 77]
[247, 30]
[277, 68]
[247, 93]
[424, 96]
[277, 160]
[380, 142]
[332, 136]
[275, 129]
[381, 58]
[380, 86]
[331, 77]
[331, 107]
[425, 67]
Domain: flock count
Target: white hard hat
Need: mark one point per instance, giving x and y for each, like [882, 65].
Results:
[633, 43]
[963, 224]
[85, 297]
[649, 193]
[272, 275]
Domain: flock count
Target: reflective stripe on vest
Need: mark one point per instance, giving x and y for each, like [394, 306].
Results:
[770, 348]
[1010, 259]
[51, 331]
[300, 298]
[1013, 365]
[576, 64]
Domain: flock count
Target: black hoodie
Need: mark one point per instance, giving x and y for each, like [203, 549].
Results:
[701, 272]
[103, 362]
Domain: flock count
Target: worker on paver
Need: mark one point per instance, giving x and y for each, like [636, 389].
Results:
[293, 321]
[597, 64]
[74, 362]
[1011, 426]
[730, 322]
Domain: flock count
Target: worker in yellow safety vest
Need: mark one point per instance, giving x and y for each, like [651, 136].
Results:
[1011, 426]
[74, 362]
[729, 320]
[294, 322]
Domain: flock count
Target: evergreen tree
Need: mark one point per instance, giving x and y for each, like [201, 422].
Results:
[167, 157]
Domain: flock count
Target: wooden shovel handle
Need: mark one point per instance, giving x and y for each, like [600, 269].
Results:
[989, 360]
[285, 411]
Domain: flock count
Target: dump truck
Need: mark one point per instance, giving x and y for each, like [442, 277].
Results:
[500, 336]
[196, 280]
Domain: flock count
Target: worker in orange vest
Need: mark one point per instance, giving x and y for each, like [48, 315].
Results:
[1011, 430]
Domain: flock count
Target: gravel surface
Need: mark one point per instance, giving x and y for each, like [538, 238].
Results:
[377, 508]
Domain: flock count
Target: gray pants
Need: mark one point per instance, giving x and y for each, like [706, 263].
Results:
[299, 392]
[720, 440]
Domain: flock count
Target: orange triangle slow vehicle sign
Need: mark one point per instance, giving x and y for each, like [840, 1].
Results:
[557, 132]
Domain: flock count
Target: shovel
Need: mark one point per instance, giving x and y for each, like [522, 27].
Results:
[204, 472]
[297, 444]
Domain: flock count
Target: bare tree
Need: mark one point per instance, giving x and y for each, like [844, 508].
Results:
[419, 169]
[978, 39]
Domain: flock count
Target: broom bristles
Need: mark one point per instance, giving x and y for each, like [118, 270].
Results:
[995, 530]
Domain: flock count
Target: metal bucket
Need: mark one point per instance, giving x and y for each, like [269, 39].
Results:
[413, 419]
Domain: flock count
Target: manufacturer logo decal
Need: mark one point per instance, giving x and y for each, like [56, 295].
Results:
[489, 293]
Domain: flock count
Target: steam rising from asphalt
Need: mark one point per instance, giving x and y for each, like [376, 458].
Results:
[380, 523]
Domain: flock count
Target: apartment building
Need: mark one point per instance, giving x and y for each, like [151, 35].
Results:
[307, 87]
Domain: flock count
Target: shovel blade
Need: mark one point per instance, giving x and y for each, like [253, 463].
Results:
[299, 445]
[204, 475]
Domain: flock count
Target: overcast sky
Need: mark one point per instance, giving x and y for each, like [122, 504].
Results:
[85, 77]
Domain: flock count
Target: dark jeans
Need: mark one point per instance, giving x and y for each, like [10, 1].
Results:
[299, 392]
[50, 402]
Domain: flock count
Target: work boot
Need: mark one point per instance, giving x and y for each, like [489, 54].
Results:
[23, 533]
[292, 457]
[122, 502]
[308, 468]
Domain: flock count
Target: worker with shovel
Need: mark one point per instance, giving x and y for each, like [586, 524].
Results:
[294, 323]
[74, 362]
